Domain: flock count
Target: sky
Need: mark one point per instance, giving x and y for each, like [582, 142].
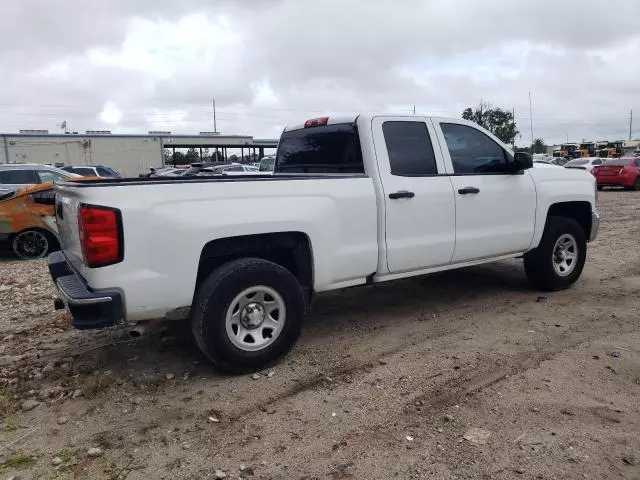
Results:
[131, 66]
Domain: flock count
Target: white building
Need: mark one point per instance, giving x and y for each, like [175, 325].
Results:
[128, 154]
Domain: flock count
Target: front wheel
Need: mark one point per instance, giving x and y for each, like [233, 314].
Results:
[636, 185]
[558, 260]
[247, 314]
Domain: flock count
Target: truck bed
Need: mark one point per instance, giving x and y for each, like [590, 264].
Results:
[106, 182]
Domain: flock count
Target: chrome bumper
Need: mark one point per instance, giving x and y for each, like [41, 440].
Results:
[595, 225]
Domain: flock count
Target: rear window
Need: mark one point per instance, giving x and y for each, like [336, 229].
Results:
[576, 162]
[18, 177]
[322, 149]
[617, 162]
[106, 172]
[84, 171]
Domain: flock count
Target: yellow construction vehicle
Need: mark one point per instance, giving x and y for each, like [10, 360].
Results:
[568, 151]
[609, 149]
[587, 149]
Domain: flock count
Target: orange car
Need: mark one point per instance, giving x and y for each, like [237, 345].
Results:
[28, 221]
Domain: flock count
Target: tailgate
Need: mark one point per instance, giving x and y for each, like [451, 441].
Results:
[67, 203]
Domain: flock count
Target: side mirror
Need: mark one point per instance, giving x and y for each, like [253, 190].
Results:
[521, 161]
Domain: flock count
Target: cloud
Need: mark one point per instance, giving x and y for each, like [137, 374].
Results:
[137, 65]
[111, 114]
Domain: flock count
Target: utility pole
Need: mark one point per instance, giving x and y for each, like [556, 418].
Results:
[414, 111]
[630, 123]
[531, 121]
[215, 126]
[513, 119]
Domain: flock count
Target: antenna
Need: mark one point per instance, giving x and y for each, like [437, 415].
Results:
[531, 120]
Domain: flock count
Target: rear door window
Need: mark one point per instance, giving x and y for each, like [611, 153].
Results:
[323, 149]
[18, 177]
[409, 148]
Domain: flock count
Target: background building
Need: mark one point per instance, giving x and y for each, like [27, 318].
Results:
[128, 154]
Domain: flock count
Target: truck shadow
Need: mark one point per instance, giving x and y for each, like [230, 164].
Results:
[345, 314]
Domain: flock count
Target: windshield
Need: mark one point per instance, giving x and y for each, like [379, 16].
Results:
[576, 162]
[322, 149]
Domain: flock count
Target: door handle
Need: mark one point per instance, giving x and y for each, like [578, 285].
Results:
[401, 194]
[468, 190]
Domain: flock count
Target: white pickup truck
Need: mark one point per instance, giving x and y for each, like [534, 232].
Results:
[352, 201]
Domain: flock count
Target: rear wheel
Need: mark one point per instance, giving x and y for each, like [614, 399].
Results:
[636, 185]
[559, 259]
[247, 314]
[600, 187]
[31, 244]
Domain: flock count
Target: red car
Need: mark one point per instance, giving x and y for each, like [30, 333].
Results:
[619, 172]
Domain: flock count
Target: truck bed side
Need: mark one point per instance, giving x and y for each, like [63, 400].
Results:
[166, 225]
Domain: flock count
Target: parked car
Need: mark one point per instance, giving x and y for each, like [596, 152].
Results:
[16, 175]
[92, 171]
[28, 221]
[353, 201]
[585, 163]
[267, 163]
[619, 172]
[198, 169]
[560, 161]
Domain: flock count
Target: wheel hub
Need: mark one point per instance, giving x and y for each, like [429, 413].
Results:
[565, 255]
[252, 315]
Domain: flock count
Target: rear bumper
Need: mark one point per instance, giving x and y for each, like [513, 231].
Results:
[89, 310]
[595, 226]
[615, 180]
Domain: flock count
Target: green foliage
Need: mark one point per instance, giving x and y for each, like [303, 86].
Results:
[192, 156]
[21, 462]
[178, 159]
[10, 425]
[5, 405]
[498, 121]
[539, 146]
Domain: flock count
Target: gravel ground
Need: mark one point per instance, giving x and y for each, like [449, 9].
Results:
[465, 374]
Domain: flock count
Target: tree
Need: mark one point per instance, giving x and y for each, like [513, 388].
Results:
[178, 158]
[233, 158]
[498, 121]
[217, 156]
[192, 156]
[539, 146]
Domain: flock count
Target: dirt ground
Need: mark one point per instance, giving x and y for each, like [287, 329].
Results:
[466, 374]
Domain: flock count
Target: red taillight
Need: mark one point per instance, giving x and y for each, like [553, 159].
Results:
[100, 235]
[316, 122]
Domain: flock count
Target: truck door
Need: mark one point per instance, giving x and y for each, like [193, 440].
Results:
[419, 202]
[495, 209]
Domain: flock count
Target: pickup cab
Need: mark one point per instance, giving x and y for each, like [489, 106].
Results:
[352, 201]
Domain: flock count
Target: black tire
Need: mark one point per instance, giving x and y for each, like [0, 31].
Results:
[600, 187]
[636, 185]
[214, 298]
[539, 263]
[32, 244]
